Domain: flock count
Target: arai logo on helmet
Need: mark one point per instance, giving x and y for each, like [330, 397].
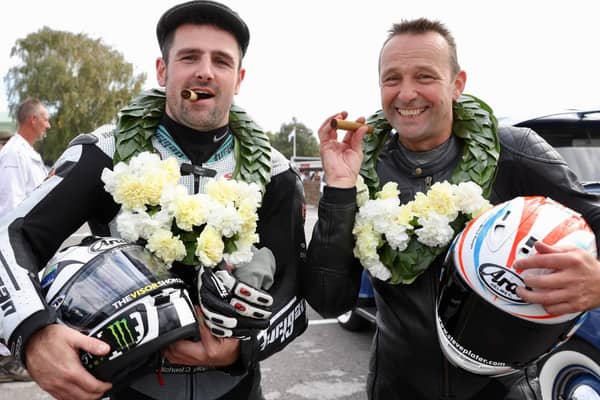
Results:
[105, 244]
[501, 281]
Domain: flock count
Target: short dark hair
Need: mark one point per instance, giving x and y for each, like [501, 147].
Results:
[201, 12]
[421, 26]
[168, 42]
[27, 108]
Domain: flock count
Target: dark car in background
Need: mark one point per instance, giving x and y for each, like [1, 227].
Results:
[576, 136]
[572, 372]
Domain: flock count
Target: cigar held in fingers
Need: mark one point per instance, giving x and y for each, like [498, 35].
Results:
[348, 125]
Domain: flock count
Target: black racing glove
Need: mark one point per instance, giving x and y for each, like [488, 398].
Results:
[231, 307]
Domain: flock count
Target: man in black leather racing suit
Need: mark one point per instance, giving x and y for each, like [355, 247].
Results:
[421, 83]
[202, 44]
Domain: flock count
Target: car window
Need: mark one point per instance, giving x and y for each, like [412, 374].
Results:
[576, 136]
[584, 161]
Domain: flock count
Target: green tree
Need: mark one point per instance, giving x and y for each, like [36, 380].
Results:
[306, 142]
[82, 82]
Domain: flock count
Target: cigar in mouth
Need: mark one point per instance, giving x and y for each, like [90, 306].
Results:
[189, 95]
[349, 125]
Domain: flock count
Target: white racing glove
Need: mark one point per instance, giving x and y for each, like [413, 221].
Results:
[231, 307]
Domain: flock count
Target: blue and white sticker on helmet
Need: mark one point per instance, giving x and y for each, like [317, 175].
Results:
[49, 274]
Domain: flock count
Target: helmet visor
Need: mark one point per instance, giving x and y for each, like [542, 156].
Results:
[109, 282]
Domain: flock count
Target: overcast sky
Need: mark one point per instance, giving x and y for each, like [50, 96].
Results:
[308, 59]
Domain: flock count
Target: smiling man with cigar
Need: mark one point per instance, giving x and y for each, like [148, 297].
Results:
[430, 132]
[194, 122]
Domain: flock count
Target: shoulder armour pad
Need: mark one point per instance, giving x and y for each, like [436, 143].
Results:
[84, 138]
[295, 170]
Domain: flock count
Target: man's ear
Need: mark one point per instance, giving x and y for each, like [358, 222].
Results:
[161, 72]
[459, 84]
[241, 75]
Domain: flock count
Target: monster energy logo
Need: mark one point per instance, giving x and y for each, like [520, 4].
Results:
[121, 333]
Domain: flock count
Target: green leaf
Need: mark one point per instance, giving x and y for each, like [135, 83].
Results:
[190, 256]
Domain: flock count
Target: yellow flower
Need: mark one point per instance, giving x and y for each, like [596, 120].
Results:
[170, 170]
[247, 238]
[389, 191]
[486, 206]
[420, 205]
[156, 180]
[442, 201]
[362, 191]
[404, 215]
[189, 211]
[222, 190]
[129, 191]
[367, 240]
[247, 212]
[166, 246]
[210, 247]
[151, 189]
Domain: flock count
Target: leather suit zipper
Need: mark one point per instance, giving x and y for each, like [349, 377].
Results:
[428, 182]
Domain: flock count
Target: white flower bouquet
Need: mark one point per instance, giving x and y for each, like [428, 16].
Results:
[396, 243]
[200, 229]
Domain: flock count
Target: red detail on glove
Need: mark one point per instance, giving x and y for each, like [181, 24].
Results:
[239, 307]
[245, 292]
[161, 381]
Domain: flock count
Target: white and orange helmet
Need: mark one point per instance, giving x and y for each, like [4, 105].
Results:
[483, 325]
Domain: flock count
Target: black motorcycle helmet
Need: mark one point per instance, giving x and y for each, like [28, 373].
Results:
[120, 293]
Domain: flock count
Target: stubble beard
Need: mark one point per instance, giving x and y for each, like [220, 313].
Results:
[203, 120]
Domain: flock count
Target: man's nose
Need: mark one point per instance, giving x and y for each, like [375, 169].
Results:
[407, 92]
[204, 70]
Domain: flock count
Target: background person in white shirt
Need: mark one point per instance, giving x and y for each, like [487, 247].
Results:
[21, 166]
[21, 171]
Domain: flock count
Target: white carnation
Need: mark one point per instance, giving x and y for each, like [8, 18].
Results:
[398, 237]
[378, 213]
[469, 197]
[248, 193]
[241, 255]
[226, 220]
[435, 230]
[128, 226]
[378, 270]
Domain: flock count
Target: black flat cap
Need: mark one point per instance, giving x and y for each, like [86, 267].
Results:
[203, 12]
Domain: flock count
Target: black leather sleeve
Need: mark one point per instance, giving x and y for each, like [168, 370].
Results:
[281, 229]
[331, 279]
[529, 166]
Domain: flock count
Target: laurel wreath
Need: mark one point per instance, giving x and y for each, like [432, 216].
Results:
[473, 122]
[138, 121]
